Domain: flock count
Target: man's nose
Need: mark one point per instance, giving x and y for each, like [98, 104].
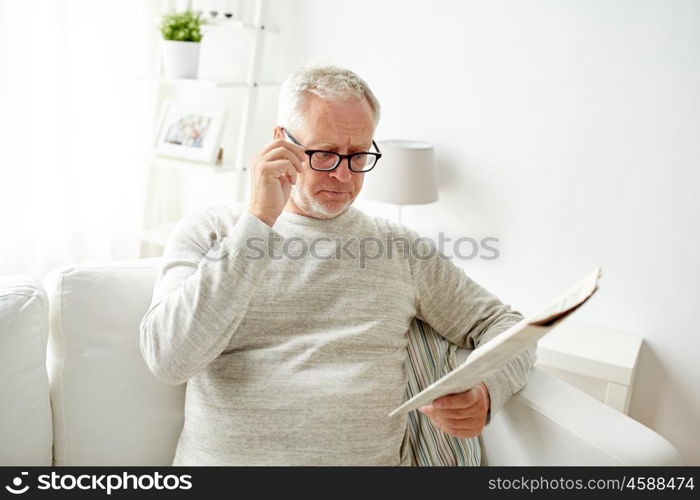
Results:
[343, 172]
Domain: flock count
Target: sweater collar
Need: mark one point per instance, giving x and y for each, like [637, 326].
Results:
[303, 220]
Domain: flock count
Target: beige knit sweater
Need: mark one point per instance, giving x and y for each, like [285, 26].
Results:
[296, 358]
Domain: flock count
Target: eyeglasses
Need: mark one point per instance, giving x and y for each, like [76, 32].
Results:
[329, 160]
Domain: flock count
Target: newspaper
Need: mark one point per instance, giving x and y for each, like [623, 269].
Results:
[495, 354]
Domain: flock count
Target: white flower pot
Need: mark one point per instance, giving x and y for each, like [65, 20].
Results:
[180, 59]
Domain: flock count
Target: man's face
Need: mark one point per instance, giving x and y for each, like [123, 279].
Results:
[342, 127]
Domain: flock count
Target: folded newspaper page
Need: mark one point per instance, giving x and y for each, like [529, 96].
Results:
[496, 353]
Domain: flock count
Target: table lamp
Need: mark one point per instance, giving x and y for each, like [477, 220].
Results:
[405, 174]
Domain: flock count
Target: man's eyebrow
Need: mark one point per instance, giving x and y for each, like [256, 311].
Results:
[329, 146]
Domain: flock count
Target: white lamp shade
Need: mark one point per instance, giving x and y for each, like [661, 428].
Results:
[404, 175]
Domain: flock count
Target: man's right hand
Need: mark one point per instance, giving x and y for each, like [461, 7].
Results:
[273, 172]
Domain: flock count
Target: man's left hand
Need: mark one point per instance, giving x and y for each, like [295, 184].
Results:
[461, 415]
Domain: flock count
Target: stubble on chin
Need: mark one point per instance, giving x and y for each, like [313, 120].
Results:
[313, 207]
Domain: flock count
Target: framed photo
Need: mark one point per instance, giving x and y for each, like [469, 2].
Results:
[190, 131]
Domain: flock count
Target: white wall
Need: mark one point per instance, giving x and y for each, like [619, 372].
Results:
[567, 129]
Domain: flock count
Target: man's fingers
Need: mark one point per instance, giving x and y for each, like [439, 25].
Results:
[295, 149]
[284, 168]
[281, 149]
[298, 151]
[457, 401]
[281, 153]
[457, 418]
[461, 415]
[456, 413]
[277, 143]
[457, 427]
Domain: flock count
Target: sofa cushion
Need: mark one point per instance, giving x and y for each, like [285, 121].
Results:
[25, 419]
[108, 407]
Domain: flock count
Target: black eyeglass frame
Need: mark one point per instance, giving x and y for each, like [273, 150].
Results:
[310, 152]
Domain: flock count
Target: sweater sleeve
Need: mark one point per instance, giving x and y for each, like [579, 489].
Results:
[466, 314]
[202, 292]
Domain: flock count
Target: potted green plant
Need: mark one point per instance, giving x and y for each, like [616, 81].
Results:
[181, 36]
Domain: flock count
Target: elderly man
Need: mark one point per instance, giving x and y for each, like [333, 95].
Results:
[296, 357]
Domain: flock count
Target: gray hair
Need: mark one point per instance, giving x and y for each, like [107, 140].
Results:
[326, 82]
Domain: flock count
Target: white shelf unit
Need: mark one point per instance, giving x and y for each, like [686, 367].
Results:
[200, 84]
[237, 25]
[240, 96]
[210, 84]
[196, 167]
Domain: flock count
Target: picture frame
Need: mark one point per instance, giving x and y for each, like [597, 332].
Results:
[190, 131]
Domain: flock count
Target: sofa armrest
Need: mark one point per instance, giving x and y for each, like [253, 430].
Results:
[25, 412]
[552, 423]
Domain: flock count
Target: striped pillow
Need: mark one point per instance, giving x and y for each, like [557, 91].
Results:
[430, 356]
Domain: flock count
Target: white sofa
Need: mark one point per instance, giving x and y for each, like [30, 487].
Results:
[81, 339]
